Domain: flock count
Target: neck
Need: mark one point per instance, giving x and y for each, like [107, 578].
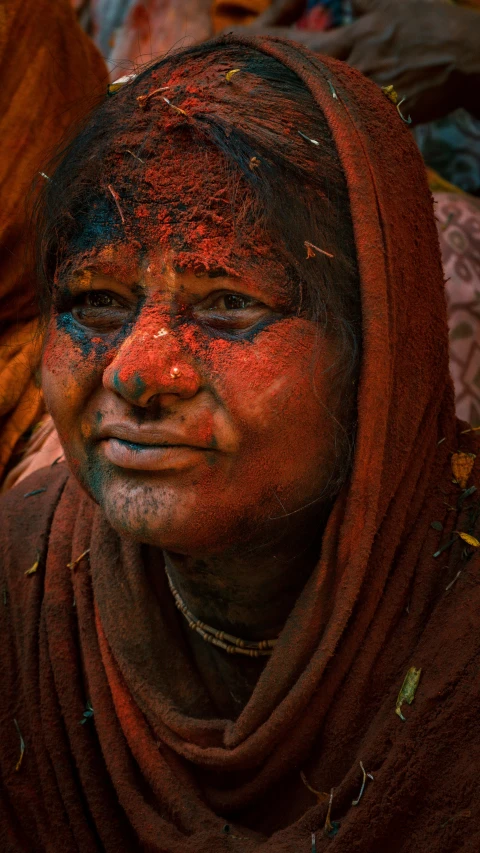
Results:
[248, 594]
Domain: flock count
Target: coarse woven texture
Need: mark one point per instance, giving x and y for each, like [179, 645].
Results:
[51, 75]
[152, 768]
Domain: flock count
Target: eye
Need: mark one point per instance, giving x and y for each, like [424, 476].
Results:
[233, 302]
[231, 311]
[98, 299]
[100, 310]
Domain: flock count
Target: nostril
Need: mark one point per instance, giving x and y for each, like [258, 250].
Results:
[133, 387]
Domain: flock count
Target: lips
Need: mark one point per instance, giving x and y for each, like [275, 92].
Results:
[148, 457]
[151, 436]
[147, 448]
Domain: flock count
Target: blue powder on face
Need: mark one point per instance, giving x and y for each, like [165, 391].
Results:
[83, 337]
[96, 226]
[79, 336]
[136, 386]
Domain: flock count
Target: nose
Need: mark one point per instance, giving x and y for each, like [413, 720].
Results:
[151, 365]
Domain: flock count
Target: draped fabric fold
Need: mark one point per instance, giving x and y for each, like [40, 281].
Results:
[151, 766]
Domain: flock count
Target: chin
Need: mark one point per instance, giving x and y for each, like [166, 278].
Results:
[164, 516]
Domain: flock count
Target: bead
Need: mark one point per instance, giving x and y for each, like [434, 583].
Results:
[217, 638]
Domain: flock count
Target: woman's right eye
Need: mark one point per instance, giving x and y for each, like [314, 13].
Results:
[100, 310]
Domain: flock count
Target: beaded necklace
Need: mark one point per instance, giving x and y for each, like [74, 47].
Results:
[227, 642]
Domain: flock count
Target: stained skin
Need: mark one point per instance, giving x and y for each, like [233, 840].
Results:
[250, 404]
[223, 365]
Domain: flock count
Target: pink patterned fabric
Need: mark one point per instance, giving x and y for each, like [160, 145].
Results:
[459, 231]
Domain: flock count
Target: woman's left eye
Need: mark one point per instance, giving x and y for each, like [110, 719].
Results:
[232, 302]
[231, 312]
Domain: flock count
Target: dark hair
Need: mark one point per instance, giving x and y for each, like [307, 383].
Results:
[300, 190]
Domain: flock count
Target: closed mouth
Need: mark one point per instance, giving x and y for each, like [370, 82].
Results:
[136, 445]
[136, 456]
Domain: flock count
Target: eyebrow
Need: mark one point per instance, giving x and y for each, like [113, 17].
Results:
[113, 268]
[107, 269]
[219, 272]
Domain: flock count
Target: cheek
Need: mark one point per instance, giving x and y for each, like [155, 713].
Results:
[277, 386]
[71, 370]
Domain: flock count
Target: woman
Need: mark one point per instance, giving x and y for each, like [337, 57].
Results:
[218, 612]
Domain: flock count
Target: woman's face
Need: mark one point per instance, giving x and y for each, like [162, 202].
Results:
[197, 411]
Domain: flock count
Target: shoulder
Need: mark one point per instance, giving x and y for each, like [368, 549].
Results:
[26, 512]
[32, 500]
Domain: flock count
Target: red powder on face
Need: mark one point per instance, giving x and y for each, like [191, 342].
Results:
[188, 212]
[183, 210]
[179, 192]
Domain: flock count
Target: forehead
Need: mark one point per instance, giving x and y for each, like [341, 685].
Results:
[184, 207]
[184, 199]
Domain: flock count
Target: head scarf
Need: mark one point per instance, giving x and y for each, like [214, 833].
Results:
[151, 768]
[50, 73]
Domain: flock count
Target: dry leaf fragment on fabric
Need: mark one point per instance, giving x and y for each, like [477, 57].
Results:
[33, 569]
[462, 464]
[391, 94]
[120, 83]
[76, 562]
[408, 690]
[87, 714]
[320, 795]
[470, 540]
[22, 747]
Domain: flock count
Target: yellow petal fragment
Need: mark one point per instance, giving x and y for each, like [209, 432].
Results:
[229, 74]
[33, 568]
[408, 690]
[118, 84]
[462, 464]
[469, 539]
[391, 94]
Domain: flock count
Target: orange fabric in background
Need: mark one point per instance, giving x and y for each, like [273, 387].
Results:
[225, 14]
[50, 72]
[21, 403]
